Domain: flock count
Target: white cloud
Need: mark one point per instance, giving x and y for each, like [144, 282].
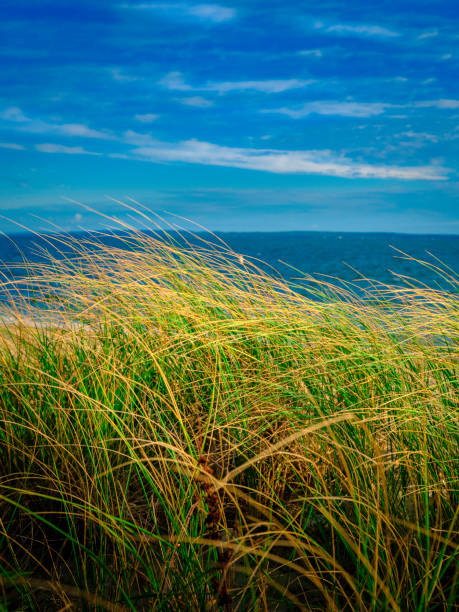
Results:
[119, 156]
[13, 113]
[78, 129]
[11, 145]
[357, 30]
[207, 12]
[314, 52]
[270, 86]
[147, 118]
[333, 107]
[37, 126]
[146, 148]
[267, 160]
[197, 101]
[56, 148]
[428, 34]
[423, 135]
[280, 162]
[121, 77]
[175, 82]
[442, 103]
[139, 140]
[212, 12]
[417, 139]
[357, 109]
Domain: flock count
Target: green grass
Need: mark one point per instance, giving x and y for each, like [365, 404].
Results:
[181, 431]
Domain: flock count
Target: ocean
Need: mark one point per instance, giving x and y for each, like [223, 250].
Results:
[346, 256]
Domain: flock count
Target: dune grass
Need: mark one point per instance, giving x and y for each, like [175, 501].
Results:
[180, 430]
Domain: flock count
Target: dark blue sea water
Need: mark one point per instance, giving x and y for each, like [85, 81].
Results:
[322, 253]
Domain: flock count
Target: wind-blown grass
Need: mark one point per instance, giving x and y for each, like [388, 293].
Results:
[181, 430]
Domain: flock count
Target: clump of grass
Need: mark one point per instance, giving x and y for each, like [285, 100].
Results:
[180, 429]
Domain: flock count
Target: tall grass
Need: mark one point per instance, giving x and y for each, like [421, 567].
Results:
[180, 430]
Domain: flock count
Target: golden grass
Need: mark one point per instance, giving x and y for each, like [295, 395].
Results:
[181, 430]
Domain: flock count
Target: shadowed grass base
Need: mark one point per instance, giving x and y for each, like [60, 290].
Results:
[181, 431]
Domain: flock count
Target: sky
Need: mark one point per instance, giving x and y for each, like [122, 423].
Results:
[253, 115]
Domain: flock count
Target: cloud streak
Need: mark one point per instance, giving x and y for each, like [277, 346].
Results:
[419, 136]
[174, 81]
[441, 104]
[430, 34]
[280, 162]
[357, 30]
[196, 101]
[13, 113]
[274, 161]
[311, 52]
[215, 13]
[318, 162]
[147, 118]
[356, 109]
[58, 148]
[23, 123]
[11, 145]
[333, 107]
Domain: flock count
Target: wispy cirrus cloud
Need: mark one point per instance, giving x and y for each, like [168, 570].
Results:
[441, 104]
[311, 52]
[147, 118]
[174, 81]
[275, 161]
[421, 136]
[196, 101]
[36, 126]
[144, 147]
[214, 13]
[138, 139]
[356, 30]
[411, 140]
[122, 77]
[356, 109]
[11, 145]
[268, 86]
[332, 107]
[71, 129]
[24, 123]
[280, 161]
[13, 113]
[429, 34]
[58, 148]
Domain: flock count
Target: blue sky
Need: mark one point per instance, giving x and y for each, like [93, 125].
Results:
[245, 115]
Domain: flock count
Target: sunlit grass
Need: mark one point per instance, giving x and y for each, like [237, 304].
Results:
[180, 430]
